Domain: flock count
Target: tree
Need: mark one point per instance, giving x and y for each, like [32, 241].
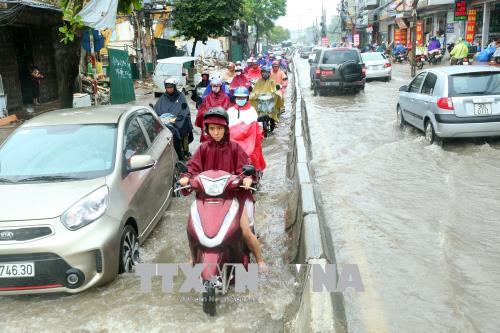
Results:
[278, 34]
[201, 20]
[262, 14]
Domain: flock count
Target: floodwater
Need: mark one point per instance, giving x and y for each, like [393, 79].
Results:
[122, 307]
[421, 222]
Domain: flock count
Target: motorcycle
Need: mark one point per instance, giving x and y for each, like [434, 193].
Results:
[463, 61]
[214, 231]
[265, 106]
[435, 57]
[401, 57]
[420, 61]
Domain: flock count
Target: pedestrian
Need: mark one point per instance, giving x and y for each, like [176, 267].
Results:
[36, 80]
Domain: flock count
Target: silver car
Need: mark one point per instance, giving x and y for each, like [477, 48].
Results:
[79, 191]
[377, 66]
[452, 102]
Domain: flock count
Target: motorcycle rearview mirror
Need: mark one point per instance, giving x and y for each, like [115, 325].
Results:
[248, 170]
[181, 166]
[403, 88]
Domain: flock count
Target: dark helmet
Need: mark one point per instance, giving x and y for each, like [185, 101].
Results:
[216, 115]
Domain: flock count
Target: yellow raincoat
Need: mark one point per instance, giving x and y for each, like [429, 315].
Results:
[265, 87]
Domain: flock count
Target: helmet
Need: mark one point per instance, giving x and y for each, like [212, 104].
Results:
[260, 55]
[278, 58]
[238, 68]
[241, 92]
[216, 115]
[238, 63]
[170, 81]
[216, 81]
[276, 62]
[265, 69]
[230, 65]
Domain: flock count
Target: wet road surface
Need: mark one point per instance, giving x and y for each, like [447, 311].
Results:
[421, 222]
[122, 307]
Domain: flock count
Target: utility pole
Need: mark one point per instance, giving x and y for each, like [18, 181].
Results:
[414, 38]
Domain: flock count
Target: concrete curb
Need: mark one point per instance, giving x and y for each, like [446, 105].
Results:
[315, 312]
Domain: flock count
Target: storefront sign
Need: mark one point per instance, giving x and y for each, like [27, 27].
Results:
[450, 27]
[420, 33]
[356, 39]
[404, 35]
[460, 10]
[325, 41]
[471, 25]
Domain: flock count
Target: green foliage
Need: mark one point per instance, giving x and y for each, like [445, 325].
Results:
[72, 22]
[127, 6]
[203, 19]
[263, 13]
[278, 34]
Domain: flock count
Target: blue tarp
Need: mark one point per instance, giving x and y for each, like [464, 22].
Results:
[98, 40]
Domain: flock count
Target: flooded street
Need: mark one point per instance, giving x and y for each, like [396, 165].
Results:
[122, 307]
[421, 222]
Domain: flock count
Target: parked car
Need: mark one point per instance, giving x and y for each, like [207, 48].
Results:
[450, 102]
[80, 190]
[337, 68]
[173, 67]
[313, 53]
[305, 52]
[377, 65]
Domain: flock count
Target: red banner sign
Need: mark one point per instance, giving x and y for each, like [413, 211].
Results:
[460, 10]
[397, 35]
[471, 15]
[404, 36]
[420, 33]
[356, 39]
[470, 28]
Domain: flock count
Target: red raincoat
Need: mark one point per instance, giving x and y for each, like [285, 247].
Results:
[225, 155]
[253, 73]
[212, 100]
[240, 81]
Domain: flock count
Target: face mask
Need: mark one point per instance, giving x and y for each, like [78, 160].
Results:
[216, 89]
[241, 101]
[265, 75]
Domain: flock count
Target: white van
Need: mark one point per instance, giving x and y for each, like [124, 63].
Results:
[172, 67]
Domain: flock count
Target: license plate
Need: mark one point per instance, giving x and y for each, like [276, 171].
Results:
[17, 269]
[482, 109]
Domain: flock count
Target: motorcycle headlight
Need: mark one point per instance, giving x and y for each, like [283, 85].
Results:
[214, 187]
[87, 210]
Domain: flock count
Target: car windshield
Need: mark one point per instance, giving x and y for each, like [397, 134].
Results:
[307, 49]
[58, 152]
[372, 56]
[168, 69]
[339, 56]
[483, 83]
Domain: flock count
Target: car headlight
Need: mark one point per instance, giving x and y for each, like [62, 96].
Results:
[214, 187]
[87, 210]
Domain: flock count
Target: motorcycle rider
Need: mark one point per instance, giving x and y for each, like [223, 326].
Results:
[266, 85]
[221, 153]
[173, 104]
[229, 73]
[460, 51]
[216, 97]
[279, 77]
[240, 80]
[204, 83]
[434, 46]
[398, 49]
[245, 129]
[254, 70]
[260, 60]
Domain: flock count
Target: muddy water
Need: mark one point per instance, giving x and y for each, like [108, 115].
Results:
[121, 307]
[421, 222]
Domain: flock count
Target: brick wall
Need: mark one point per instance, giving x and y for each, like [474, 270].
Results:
[9, 70]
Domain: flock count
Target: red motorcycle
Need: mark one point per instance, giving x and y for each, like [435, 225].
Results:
[214, 232]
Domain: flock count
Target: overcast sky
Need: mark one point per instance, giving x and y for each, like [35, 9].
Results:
[302, 13]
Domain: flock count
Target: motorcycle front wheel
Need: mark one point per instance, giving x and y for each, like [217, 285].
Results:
[209, 299]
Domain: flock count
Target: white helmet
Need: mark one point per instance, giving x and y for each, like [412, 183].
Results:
[170, 81]
[216, 81]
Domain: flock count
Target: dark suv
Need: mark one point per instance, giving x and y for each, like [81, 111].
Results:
[337, 68]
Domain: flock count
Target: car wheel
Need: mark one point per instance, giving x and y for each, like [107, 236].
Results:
[399, 117]
[129, 250]
[430, 134]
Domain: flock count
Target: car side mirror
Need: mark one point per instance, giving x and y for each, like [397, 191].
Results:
[248, 170]
[181, 166]
[403, 88]
[140, 162]
[310, 61]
